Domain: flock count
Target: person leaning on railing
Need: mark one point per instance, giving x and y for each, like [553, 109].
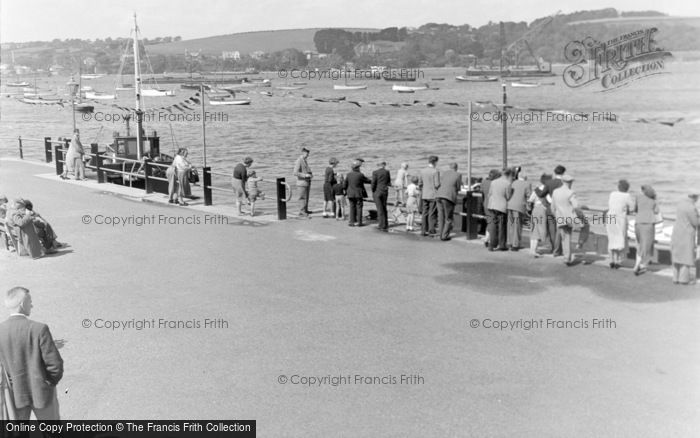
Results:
[74, 158]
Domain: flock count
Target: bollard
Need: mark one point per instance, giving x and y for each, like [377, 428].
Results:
[281, 199]
[98, 168]
[58, 153]
[470, 224]
[93, 152]
[48, 149]
[206, 184]
[147, 169]
[21, 152]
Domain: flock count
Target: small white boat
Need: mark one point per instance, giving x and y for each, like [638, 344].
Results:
[92, 76]
[17, 84]
[524, 85]
[290, 87]
[229, 101]
[99, 96]
[153, 92]
[350, 87]
[37, 95]
[476, 78]
[86, 88]
[408, 88]
[41, 100]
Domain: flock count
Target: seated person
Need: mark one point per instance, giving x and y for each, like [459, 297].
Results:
[21, 220]
[43, 230]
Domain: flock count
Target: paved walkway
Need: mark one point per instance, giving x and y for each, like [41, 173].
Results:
[584, 351]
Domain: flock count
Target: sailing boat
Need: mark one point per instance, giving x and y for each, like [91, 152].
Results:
[80, 106]
[347, 87]
[121, 86]
[147, 92]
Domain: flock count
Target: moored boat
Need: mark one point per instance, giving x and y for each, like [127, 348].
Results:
[157, 92]
[349, 87]
[476, 78]
[408, 88]
[99, 96]
[228, 101]
[17, 84]
[524, 84]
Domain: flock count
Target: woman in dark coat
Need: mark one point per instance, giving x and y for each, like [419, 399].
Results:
[328, 183]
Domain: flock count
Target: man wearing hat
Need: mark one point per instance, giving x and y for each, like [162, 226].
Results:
[240, 176]
[564, 206]
[303, 173]
[684, 239]
[354, 185]
[381, 180]
[328, 183]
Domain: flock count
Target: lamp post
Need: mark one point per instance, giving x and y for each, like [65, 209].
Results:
[72, 87]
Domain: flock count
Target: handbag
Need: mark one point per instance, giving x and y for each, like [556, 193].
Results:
[193, 176]
[8, 411]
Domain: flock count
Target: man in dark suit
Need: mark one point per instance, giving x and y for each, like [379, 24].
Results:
[381, 180]
[429, 183]
[499, 194]
[450, 185]
[30, 359]
[549, 187]
[354, 188]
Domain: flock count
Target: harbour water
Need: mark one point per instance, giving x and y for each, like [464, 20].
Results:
[596, 151]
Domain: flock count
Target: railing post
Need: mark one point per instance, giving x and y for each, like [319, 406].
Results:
[93, 152]
[206, 184]
[58, 153]
[281, 199]
[147, 175]
[21, 152]
[470, 208]
[98, 168]
[47, 149]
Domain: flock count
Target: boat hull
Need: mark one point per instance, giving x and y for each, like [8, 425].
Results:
[157, 93]
[230, 102]
[349, 87]
[407, 89]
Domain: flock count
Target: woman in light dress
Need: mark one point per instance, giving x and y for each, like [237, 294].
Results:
[182, 172]
[684, 241]
[620, 204]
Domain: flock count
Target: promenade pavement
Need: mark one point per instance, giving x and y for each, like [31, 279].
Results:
[315, 298]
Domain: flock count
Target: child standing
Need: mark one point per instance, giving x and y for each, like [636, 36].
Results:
[412, 192]
[253, 191]
[339, 194]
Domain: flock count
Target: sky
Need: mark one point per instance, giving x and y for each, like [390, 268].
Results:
[45, 20]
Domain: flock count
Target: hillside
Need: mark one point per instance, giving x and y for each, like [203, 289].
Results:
[248, 42]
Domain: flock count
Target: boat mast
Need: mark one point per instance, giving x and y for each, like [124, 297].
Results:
[137, 90]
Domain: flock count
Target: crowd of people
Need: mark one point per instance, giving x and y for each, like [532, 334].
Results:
[510, 201]
[25, 231]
